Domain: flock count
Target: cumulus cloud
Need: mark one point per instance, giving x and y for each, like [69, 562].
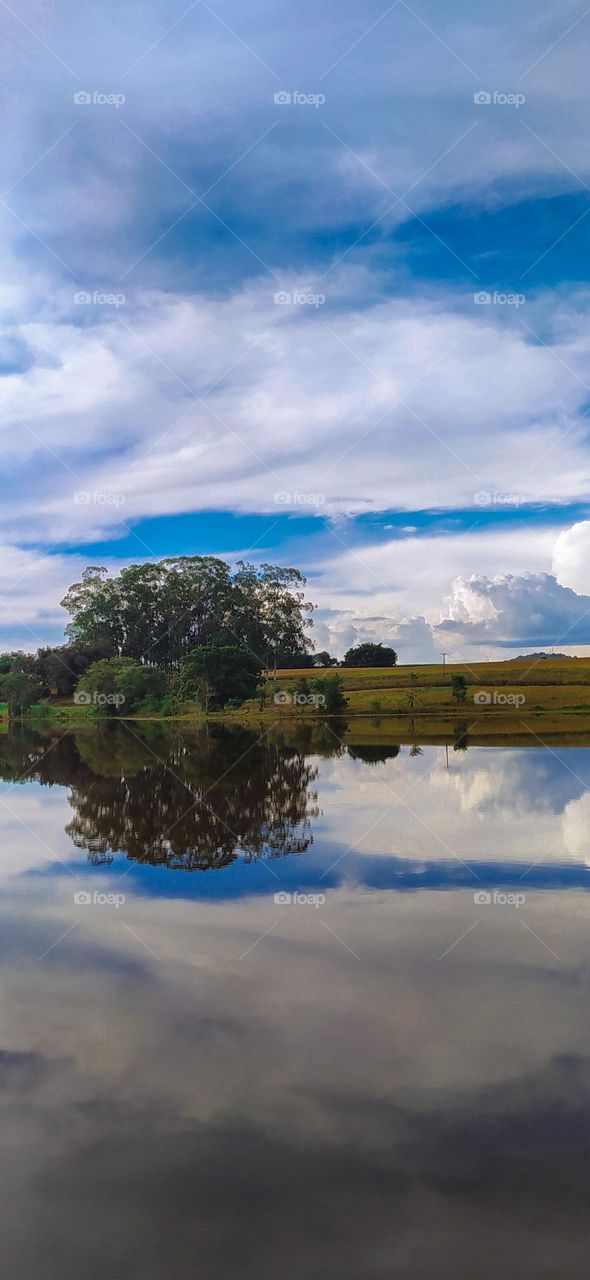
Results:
[511, 611]
[571, 558]
[338, 632]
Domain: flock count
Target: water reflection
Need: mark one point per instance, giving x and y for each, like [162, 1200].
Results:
[397, 1083]
[191, 802]
[199, 799]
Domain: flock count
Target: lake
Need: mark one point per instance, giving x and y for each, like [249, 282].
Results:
[301, 1002]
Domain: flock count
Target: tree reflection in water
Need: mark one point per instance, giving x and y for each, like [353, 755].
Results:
[191, 800]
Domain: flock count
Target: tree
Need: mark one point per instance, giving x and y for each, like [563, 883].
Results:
[370, 655]
[159, 612]
[59, 668]
[143, 688]
[268, 614]
[20, 691]
[324, 659]
[459, 687]
[330, 688]
[213, 674]
[121, 686]
[15, 661]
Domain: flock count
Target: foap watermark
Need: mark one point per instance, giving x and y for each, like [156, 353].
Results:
[492, 498]
[96, 98]
[285, 699]
[294, 98]
[98, 499]
[85, 698]
[99, 298]
[284, 498]
[496, 98]
[498, 299]
[298, 298]
[283, 899]
[498, 899]
[96, 899]
[497, 698]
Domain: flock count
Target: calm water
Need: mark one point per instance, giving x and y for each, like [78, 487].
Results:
[256, 1022]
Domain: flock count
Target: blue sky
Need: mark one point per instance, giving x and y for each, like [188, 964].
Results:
[303, 283]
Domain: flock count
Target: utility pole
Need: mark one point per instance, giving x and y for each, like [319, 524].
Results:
[443, 656]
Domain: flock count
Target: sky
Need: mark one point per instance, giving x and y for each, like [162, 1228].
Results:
[302, 283]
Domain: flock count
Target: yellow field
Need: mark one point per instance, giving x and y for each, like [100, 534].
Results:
[517, 689]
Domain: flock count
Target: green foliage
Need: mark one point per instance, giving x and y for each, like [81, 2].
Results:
[121, 686]
[143, 688]
[330, 688]
[324, 659]
[20, 690]
[459, 687]
[159, 613]
[15, 661]
[370, 655]
[59, 668]
[212, 675]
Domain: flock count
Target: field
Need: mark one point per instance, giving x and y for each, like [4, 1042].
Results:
[494, 689]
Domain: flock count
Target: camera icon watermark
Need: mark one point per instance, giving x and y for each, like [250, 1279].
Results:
[98, 99]
[285, 699]
[85, 698]
[99, 298]
[298, 298]
[491, 498]
[283, 899]
[497, 698]
[99, 499]
[96, 899]
[284, 498]
[284, 98]
[497, 99]
[498, 899]
[498, 299]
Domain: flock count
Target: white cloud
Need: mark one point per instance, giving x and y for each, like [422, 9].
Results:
[571, 560]
[181, 403]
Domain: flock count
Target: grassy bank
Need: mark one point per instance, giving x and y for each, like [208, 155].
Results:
[498, 694]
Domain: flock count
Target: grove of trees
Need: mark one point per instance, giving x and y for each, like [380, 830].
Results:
[186, 629]
[159, 612]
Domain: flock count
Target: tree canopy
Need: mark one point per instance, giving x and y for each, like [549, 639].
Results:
[370, 655]
[159, 612]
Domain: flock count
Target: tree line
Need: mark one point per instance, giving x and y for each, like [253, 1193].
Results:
[182, 629]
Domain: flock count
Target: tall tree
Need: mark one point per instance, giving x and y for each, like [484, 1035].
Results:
[159, 612]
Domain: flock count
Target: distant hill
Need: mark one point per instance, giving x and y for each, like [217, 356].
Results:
[524, 657]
